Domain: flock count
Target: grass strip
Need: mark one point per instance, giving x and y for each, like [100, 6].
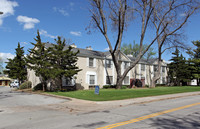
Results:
[120, 94]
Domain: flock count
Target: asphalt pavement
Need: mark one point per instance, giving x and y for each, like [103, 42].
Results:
[19, 110]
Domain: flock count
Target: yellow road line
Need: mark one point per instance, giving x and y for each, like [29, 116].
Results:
[146, 117]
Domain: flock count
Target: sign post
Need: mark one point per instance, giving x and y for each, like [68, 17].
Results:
[96, 90]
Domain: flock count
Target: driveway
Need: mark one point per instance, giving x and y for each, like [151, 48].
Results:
[14, 101]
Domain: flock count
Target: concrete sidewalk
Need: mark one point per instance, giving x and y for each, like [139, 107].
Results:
[78, 106]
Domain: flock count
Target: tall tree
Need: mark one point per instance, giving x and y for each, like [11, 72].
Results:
[172, 15]
[38, 60]
[1, 65]
[63, 60]
[118, 14]
[16, 67]
[134, 50]
[195, 60]
[179, 69]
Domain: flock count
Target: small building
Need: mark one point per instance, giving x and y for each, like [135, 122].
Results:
[4, 81]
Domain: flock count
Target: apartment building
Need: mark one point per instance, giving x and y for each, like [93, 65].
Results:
[98, 69]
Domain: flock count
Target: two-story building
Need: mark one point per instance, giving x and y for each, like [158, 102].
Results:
[98, 69]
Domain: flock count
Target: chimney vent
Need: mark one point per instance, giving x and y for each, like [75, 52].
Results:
[89, 48]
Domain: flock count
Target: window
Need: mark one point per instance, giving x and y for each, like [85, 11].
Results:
[142, 67]
[69, 82]
[91, 62]
[109, 79]
[126, 80]
[108, 63]
[163, 80]
[92, 80]
[155, 68]
[163, 69]
[66, 81]
[126, 65]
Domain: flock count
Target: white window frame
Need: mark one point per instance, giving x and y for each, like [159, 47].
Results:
[163, 69]
[126, 65]
[88, 62]
[111, 80]
[73, 81]
[88, 77]
[110, 62]
[128, 80]
[143, 65]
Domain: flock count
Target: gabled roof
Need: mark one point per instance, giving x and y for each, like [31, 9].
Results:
[101, 55]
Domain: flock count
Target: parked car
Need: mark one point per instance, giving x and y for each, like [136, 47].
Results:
[14, 83]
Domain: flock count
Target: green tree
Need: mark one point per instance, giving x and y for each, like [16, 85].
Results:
[1, 65]
[134, 50]
[195, 60]
[16, 67]
[179, 69]
[38, 60]
[63, 61]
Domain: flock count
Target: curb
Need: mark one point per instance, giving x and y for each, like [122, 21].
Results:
[149, 99]
[131, 101]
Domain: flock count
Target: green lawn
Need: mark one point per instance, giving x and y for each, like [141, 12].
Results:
[113, 94]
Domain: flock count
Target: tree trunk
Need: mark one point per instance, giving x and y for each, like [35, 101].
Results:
[119, 83]
[157, 75]
[150, 79]
[198, 82]
[43, 87]
[61, 88]
[153, 82]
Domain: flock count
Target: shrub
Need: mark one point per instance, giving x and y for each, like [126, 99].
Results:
[123, 87]
[138, 83]
[127, 86]
[109, 86]
[25, 85]
[160, 84]
[106, 86]
[38, 87]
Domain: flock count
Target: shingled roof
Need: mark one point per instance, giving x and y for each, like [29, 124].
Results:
[82, 52]
[98, 54]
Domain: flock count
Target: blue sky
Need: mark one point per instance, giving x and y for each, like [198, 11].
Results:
[66, 18]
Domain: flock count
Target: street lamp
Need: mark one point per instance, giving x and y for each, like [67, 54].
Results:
[1, 12]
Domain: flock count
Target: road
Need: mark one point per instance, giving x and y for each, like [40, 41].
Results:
[31, 111]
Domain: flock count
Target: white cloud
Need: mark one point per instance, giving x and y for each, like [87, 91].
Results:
[167, 61]
[7, 7]
[107, 49]
[60, 10]
[183, 14]
[4, 56]
[45, 33]
[29, 23]
[75, 33]
[24, 43]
